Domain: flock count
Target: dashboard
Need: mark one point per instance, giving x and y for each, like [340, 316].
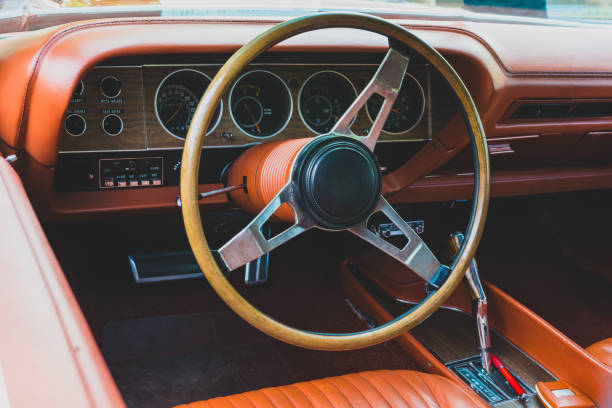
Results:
[150, 106]
[126, 121]
[97, 111]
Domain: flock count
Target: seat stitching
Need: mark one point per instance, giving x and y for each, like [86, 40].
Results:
[229, 399]
[415, 393]
[433, 395]
[246, 395]
[394, 379]
[394, 374]
[265, 394]
[314, 384]
[282, 389]
[346, 398]
[360, 375]
[306, 394]
[344, 378]
[380, 392]
[432, 391]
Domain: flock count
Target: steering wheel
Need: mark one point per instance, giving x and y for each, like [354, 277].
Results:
[331, 182]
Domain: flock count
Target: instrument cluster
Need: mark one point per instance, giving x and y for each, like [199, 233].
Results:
[145, 107]
[260, 102]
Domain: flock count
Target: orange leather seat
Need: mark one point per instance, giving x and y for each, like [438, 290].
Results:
[384, 388]
[602, 350]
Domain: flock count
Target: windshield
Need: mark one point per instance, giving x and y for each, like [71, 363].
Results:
[23, 15]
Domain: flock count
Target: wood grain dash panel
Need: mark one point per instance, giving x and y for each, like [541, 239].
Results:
[142, 129]
[94, 106]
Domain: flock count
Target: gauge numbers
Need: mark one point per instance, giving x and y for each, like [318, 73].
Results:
[324, 98]
[177, 98]
[407, 110]
[260, 104]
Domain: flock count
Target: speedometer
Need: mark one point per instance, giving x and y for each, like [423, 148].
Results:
[260, 104]
[177, 98]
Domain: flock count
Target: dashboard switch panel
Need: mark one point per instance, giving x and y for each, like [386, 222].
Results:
[131, 172]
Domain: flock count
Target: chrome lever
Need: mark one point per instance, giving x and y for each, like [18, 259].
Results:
[212, 193]
[479, 304]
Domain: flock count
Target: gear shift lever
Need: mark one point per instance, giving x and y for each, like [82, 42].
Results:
[479, 304]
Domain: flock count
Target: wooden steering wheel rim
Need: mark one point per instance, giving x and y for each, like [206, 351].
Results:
[190, 170]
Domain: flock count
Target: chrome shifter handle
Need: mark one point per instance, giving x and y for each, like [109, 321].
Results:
[479, 304]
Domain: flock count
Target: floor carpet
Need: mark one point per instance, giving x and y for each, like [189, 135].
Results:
[166, 360]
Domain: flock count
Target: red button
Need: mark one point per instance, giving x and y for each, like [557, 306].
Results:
[122, 184]
[133, 183]
[157, 182]
[108, 183]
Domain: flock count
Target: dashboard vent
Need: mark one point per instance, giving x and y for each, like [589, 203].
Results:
[562, 108]
[592, 109]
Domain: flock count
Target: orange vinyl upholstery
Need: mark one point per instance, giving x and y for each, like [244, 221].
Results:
[400, 388]
[602, 350]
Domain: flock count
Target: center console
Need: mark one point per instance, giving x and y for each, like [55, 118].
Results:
[530, 349]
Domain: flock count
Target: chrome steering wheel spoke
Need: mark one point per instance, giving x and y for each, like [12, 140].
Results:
[250, 243]
[416, 255]
[386, 82]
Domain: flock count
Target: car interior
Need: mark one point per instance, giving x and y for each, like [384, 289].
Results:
[337, 207]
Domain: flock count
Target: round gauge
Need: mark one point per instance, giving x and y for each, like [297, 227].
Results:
[78, 90]
[75, 125]
[407, 110]
[110, 86]
[177, 98]
[112, 125]
[260, 104]
[324, 97]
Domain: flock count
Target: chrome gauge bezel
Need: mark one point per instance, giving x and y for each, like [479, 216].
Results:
[422, 93]
[120, 120]
[74, 134]
[289, 114]
[299, 105]
[159, 87]
[80, 84]
[102, 91]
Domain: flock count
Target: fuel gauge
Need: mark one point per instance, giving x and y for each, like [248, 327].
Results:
[260, 104]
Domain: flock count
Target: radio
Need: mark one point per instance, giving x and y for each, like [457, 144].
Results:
[105, 171]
